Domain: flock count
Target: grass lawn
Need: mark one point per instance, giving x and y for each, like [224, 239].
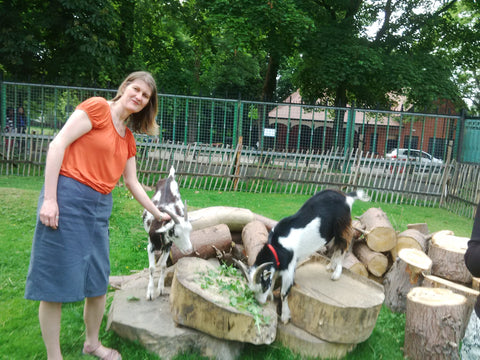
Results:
[20, 336]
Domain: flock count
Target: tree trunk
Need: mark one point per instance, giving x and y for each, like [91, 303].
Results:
[234, 218]
[410, 239]
[254, 236]
[342, 311]
[203, 242]
[404, 275]
[447, 253]
[434, 319]
[379, 233]
[375, 262]
[197, 301]
[352, 263]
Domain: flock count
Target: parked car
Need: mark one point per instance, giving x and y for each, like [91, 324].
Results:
[418, 159]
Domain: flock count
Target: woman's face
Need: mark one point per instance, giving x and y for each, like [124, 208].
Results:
[136, 96]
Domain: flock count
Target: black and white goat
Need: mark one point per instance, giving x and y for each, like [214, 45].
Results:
[162, 234]
[323, 217]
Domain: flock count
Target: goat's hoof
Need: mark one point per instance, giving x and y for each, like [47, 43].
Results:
[150, 296]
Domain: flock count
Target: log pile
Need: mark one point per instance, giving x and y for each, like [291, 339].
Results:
[403, 261]
[316, 306]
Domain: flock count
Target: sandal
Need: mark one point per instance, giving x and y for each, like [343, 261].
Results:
[101, 352]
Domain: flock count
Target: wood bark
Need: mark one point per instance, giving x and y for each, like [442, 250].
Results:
[447, 253]
[203, 242]
[375, 262]
[434, 319]
[352, 263]
[343, 311]
[234, 218]
[254, 236]
[404, 275]
[379, 233]
[200, 304]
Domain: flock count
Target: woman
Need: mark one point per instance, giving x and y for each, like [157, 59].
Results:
[70, 250]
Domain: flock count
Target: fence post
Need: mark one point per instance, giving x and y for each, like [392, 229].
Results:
[3, 104]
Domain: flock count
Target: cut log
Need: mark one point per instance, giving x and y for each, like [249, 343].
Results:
[434, 319]
[379, 233]
[447, 253]
[343, 311]
[352, 263]
[410, 239]
[205, 241]
[404, 275]
[422, 227]
[197, 301]
[437, 282]
[375, 262]
[254, 236]
[306, 345]
[234, 218]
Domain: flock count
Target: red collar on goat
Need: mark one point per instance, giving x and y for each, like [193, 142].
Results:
[274, 252]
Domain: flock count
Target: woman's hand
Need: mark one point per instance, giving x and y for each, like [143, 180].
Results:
[49, 214]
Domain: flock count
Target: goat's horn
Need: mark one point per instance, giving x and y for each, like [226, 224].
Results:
[259, 270]
[243, 268]
[185, 211]
[172, 215]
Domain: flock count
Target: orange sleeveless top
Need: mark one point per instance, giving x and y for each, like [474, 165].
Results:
[98, 158]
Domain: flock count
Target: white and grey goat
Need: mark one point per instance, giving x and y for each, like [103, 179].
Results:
[323, 217]
[163, 234]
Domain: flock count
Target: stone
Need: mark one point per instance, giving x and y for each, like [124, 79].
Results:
[150, 323]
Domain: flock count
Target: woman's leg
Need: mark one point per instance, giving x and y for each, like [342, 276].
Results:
[50, 314]
[93, 315]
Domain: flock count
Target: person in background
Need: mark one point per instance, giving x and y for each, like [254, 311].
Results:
[21, 121]
[70, 250]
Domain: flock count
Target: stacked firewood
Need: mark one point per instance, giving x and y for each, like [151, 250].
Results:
[424, 275]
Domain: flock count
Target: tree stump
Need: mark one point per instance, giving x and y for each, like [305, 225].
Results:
[204, 242]
[404, 275]
[434, 319]
[447, 253]
[379, 233]
[410, 239]
[375, 262]
[198, 301]
[234, 218]
[254, 236]
[342, 311]
[437, 282]
[352, 263]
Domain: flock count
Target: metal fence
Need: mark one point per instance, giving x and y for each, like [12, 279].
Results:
[222, 144]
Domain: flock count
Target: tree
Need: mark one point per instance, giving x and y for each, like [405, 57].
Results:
[341, 61]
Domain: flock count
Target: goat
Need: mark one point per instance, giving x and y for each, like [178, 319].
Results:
[323, 217]
[162, 234]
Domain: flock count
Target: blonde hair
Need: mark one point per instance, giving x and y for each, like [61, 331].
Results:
[144, 121]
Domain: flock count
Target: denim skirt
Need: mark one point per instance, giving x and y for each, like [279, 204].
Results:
[72, 262]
